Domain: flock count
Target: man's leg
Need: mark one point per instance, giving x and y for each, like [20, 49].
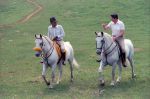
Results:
[63, 52]
[120, 40]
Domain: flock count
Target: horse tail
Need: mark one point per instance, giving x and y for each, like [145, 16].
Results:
[75, 63]
[131, 48]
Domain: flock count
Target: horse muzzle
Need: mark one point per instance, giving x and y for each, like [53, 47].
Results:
[37, 54]
[98, 51]
[38, 51]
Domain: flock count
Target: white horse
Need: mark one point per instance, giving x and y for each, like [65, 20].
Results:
[110, 55]
[51, 57]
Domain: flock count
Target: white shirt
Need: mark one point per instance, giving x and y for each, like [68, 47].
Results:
[56, 31]
[116, 27]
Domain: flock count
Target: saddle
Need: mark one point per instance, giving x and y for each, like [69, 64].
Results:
[59, 52]
[122, 55]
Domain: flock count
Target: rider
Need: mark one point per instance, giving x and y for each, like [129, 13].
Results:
[118, 30]
[56, 33]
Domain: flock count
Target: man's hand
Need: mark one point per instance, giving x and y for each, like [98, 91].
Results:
[57, 38]
[104, 26]
[114, 38]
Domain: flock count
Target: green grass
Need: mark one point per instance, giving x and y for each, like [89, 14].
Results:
[20, 71]
[12, 10]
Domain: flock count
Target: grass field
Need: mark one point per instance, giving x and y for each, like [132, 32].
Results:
[20, 70]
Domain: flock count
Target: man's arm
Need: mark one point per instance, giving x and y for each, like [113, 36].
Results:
[49, 33]
[122, 30]
[62, 34]
[105, 27]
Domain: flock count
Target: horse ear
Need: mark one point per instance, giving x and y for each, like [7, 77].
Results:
[40, 36]
[102, 33]
[95, 33]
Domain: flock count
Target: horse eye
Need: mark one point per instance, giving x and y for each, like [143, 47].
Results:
[41, 44]
[102, 41]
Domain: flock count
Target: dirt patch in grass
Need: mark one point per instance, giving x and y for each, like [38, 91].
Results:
[27, 17]
[37, 79]
[7, 74]
[138, 49]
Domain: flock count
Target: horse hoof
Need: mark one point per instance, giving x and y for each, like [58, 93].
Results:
[112, 84]
[48, 83]
[57, 82]
[50, 87]
[134, 76]
[118, 80]
[102, 84]
[71, 80]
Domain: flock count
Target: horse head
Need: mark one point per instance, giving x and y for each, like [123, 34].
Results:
[99, 42]
[38, 45]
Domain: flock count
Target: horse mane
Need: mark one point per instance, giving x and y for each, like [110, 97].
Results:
[106, 35]
[47, 38]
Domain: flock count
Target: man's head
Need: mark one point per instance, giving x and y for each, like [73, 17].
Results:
[53, 21]
[114, 17]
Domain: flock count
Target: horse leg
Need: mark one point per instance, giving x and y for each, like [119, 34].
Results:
[60, 72]
[132, 67]
[52, 75]
[119, 71]
[44, 73]
[71, 69]
[113, 74]
[101, 75]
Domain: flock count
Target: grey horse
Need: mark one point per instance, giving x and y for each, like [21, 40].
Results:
[109, 51]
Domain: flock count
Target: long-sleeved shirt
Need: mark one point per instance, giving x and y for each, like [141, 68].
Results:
[56, 31]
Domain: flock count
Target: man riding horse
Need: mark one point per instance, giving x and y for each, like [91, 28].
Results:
[56, 33]
[118, 31]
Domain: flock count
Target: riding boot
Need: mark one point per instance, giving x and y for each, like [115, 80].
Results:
[64, 58]
[124, 59]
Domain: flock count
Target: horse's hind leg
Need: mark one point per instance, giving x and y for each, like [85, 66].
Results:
[71, 69]
[132, 67]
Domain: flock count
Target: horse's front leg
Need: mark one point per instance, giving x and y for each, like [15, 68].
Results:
[53, 72]
[113, 74]
[44, 73]
[60, 72]
[52, 75]
[119, 71]
[101, 75]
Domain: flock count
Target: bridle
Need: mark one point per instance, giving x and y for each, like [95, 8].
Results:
[102, 41]
[102, 45]
[49, 52]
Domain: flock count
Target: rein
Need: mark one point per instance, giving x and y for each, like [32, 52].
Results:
[109, 48]
[47, 55]
[106, 53]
